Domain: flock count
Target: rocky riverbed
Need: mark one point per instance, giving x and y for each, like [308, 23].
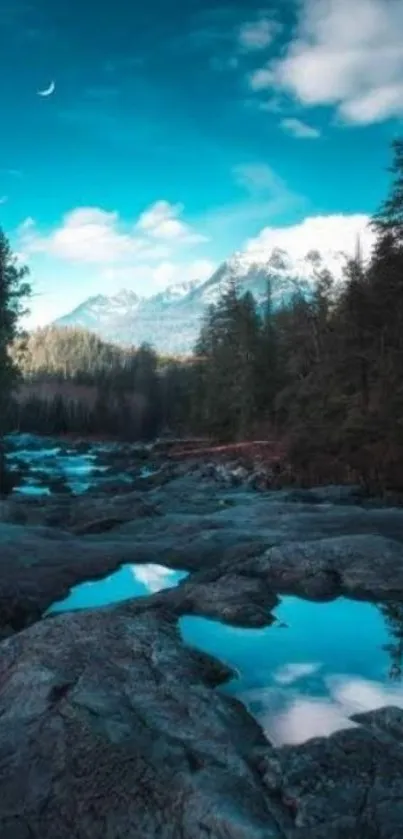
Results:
[109, 724]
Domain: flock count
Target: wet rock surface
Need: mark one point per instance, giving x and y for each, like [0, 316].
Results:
[350, 784]
[241, 547]
[110, 726]
[118, 733]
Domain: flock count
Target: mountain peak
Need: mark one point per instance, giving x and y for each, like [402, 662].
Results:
[171, 319]
[125, 297]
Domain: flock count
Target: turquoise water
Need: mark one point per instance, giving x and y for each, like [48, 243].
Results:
[75, 469]
[47, 461]
[319, 663]
[129, 581]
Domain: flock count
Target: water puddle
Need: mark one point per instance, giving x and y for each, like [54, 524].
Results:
[319, 663]
[127, 582]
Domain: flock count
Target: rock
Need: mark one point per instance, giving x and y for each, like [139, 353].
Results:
[260, 480]
[58, 484]
[75, 512]
[330, 494]
[369, 567]
[314, 550]
[101, 525]
[238, 599]
[110, 487]
[346, 786]
[109, 727]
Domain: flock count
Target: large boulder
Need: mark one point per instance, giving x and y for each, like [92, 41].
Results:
[109, 728]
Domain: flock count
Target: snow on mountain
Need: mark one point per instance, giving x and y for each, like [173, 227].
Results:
[171, 320]
[251, 272]
[177, 291]
[97, 311]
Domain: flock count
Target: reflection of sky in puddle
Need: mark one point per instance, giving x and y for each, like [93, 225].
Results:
[127, 582]
[305, 678]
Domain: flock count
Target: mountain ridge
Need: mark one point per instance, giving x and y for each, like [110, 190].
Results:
[171, 319]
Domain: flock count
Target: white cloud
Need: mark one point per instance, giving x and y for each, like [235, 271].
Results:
[291, 716]
[87, 234]
[95, 236]
[290, 673]
[299, 129]
[200, 269]
[151, 279]
[262, 78]
[161, 222]
[154, 577]
[228, 38]
[331, 234]
[354, 63]
[357, 695]
[92, 251]
[265, 196]
[304, 718]
[27, 224]
[271, 106]
[164, 274]
[258, 177]
[257, 34]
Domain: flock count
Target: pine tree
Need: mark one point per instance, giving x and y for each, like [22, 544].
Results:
[227, 362]
[14, 289]
[268, 363]
[389, 218]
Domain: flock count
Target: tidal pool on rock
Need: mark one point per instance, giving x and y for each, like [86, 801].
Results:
[127, 582]
[319, 663]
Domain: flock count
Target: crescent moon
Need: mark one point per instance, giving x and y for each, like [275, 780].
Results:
[48, 90]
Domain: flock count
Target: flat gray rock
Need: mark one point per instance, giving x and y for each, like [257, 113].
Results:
[109, 727]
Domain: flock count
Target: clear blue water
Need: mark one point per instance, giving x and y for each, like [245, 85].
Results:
[127, 582]
[306, 677]
[74, 468]
[46, 460]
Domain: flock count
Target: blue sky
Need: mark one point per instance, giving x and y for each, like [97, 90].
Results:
[178, 132]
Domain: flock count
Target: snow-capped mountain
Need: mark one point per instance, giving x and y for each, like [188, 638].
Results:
[251, 271]
[177, 291]
[96, 312]
[171, 320]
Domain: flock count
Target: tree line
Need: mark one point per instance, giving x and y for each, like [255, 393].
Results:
[324, 371]
[71, 381]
